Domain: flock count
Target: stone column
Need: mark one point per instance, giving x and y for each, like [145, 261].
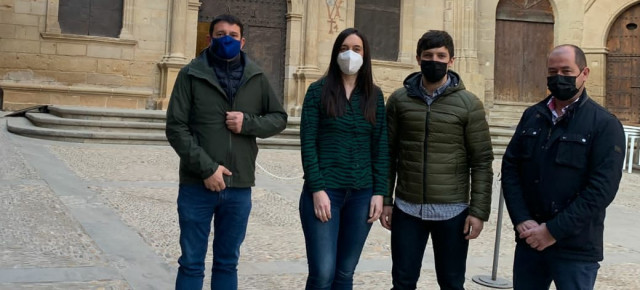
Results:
[53, 26]
[460, 22]
[127, 20]
[308, 70]
[178, 28]
[175, 58]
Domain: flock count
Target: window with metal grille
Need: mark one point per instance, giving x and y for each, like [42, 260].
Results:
[91, 17]
[379, 20]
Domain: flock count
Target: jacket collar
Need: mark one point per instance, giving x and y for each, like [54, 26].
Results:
[412, 84]
[200, 67]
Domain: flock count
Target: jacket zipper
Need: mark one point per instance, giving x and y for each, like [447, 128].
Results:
[424, 163]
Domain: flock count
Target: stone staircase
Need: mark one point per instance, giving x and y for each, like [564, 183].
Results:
[117, 126]
[503, 119]
[124, 126]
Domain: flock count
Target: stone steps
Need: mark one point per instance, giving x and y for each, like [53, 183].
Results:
[122, 126]
[117, 126]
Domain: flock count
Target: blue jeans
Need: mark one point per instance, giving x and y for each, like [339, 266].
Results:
[409, 236]
[535, 270]
[196, 207]
[334, 247]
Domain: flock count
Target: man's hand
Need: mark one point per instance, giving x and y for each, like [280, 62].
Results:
[472, 227]
[375, 208]
[539, 237]
[385, 217]
[215, 182]
[322, 206]
[234, 121]
[526, 225]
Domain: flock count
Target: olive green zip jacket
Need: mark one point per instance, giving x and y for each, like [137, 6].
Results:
[439, 153]
[196, 122]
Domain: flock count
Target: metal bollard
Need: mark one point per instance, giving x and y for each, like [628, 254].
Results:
[493, 281]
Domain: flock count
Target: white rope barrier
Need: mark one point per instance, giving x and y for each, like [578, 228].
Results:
[276, 176]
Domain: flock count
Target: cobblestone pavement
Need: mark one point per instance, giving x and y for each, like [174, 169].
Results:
[90, 216]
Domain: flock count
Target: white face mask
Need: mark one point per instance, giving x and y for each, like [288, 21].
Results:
[349, 62]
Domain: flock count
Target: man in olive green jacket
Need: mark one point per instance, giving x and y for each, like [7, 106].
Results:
[220, 103]
[441, 154]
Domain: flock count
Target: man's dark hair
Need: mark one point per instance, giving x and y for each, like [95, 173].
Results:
[434, 39]
[228, 18]
[581, 59]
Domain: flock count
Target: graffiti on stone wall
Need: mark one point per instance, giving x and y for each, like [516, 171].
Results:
[333, 12]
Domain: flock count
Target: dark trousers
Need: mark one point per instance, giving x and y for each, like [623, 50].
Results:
[535, 270]
[334, 247]
[409, 236]
[196, 208]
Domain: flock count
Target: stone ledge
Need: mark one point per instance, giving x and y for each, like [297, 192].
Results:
[87, 38]
[36, 87]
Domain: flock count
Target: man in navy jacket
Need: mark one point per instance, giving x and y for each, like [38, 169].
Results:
[561, 170]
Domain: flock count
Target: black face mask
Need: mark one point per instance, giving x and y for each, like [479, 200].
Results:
[433, 71]
[563, 87]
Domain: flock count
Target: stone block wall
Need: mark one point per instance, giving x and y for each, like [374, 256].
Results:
[39, 65]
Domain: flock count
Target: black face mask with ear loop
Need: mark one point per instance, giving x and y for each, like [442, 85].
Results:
[563, 87]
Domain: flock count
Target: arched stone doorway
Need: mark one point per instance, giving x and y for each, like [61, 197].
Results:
[623, 67]
[265, 28]
[524, 36]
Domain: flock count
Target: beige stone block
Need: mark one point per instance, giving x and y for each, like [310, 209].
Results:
[39, 7]
[27, 32]
[28, 97]
[6, 16]
[19, 45]
[6, 5]
[122, 102]
[32, 61]
[148, 55]
[66, 78]
[72, 64]
[127, 53]
[7, 31]
[105, 79]
[103, 51]
[48, 47]
[144, 68]
[8, 60]
[110, 66]
[151, 45]
[149, 32]
[22, 7]
[71, 49]
[26, 19]
[79, 100]
[140, 81]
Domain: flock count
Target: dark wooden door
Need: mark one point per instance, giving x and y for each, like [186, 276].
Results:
[623, 67]
[524, 36]
[265, 28]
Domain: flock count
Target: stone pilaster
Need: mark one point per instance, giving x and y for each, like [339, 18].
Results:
[175, 58]
[127, 20]
[460, 22]
[308, 70]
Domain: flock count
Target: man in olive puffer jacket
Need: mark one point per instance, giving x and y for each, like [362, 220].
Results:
[441, 154]
[220, 103]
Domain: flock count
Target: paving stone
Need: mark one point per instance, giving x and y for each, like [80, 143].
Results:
[97, 285]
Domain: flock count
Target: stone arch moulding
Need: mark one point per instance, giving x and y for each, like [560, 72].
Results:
[53, 31]
[614, 16]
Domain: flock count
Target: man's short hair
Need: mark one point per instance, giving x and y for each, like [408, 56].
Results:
[434, 39]
[580, 59]
[228, 18]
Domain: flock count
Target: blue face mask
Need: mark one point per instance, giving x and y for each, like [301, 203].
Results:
[225, 47]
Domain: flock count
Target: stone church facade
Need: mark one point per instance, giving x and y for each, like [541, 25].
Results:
[126, 53]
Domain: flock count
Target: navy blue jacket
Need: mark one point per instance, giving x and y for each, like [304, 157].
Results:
[565, 175]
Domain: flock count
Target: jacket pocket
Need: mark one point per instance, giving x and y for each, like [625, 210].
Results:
[529, 140]
[572, 150]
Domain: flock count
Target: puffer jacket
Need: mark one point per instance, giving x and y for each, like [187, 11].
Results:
[440, 153]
